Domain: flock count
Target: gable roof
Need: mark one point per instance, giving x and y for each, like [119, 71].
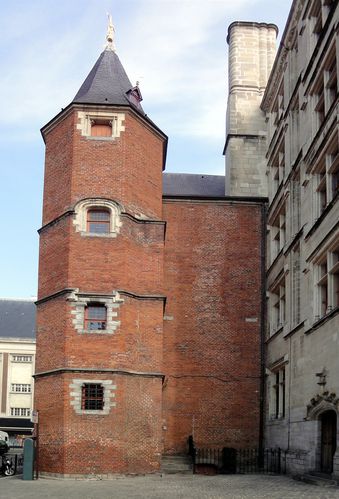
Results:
[17, 318]
[188, 184]
[107, 83]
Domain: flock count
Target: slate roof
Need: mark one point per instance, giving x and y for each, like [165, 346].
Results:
[17, 318]
[188, 184]
[107, 83]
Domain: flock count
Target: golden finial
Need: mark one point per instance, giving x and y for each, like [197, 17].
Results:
[110, 34]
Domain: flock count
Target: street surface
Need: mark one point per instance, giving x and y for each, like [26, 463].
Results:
[166, 487]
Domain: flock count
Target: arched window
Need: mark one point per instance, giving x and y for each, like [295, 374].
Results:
[98, 221]
[95, 317]
[97, 217]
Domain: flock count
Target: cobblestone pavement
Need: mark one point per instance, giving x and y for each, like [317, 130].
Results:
[165, 487]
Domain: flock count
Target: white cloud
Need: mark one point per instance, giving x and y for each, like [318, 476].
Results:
[171, 43]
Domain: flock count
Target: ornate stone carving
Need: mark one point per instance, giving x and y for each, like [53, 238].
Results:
[320, 403]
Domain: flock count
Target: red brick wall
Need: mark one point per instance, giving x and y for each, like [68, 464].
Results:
[58, 172]
[211, 354]
[103, 264]
[52, 318]
[54, 250]
[127, 440]
[129, 171]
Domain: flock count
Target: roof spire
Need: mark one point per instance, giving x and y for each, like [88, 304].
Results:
[110, 34]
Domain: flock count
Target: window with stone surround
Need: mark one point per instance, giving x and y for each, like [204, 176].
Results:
[92, 397]
[95, 317]
[295, 204]
[100, 125]
[277, 306]
[277, 166]
[294, 130]
[325, 177]
[95, 314]
[97, 218]
[318, 12]
[296, 281]
[324, 91]
[277, 231]
[326, 280]
[278, 393]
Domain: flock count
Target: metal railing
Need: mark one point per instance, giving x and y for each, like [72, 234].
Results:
[229, 460]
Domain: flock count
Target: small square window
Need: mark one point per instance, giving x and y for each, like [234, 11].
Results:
[101, 128]
[95, 317]
[92, 397]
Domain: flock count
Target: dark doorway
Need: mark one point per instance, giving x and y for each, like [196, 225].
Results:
[328, 440]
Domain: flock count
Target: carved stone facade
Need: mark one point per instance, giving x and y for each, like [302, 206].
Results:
[302, 335]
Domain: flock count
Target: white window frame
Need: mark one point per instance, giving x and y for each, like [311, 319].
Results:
[21, 388]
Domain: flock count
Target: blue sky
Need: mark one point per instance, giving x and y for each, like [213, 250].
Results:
[175, 48]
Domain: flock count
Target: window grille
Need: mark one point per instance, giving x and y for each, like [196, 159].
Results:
[92, 398]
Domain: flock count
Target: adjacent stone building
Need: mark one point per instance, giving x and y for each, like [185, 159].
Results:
[302, 368]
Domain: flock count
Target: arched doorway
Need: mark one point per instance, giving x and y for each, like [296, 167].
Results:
[328, 421]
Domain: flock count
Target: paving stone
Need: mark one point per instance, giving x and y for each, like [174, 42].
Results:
[166, 487]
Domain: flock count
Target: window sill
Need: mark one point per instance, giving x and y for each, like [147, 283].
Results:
[20, 393]
[275, 259]
[322, 216]
[319, 322]
[276, 333]
[97, 331]
[103, 139]
[94, 234]
[276, 421]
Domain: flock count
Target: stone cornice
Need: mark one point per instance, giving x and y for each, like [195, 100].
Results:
[286, 44]
[101, 370]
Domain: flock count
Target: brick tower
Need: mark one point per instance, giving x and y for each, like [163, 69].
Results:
[100, 311]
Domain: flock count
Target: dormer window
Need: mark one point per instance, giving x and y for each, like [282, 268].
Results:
[135, 97]
[101, 128]
[98, 221]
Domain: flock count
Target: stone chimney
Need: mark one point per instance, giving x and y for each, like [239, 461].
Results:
[252, 48]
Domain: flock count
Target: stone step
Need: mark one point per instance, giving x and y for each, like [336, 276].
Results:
[176, 464]
[318, 480]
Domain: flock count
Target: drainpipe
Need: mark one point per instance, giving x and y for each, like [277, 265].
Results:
[262, 327]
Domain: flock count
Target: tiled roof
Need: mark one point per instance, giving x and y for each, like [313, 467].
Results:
[188, 184]
[107, 83]
[17, 318]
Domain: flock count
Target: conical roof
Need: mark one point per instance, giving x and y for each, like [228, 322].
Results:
[107, 83]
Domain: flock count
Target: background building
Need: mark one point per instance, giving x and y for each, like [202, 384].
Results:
[17, 358]
[301, 106]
